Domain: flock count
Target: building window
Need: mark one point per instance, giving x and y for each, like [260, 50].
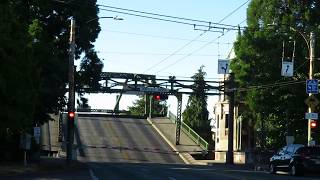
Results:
[218, 120]
[226, 117]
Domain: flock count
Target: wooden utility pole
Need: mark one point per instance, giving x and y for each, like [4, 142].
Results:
[71, 98]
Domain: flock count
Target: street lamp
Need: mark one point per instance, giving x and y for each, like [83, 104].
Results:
[105, 17]
[310, 44]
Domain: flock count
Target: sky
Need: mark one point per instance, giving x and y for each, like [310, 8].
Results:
[149, 46]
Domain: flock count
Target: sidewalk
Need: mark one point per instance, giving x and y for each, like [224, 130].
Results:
[167, 129]
[45, 165]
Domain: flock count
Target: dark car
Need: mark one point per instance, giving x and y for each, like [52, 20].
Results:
[296, 159]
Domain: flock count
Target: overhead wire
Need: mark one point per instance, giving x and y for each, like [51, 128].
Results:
[188, 55]
[271, 85]
[196, 38]
[173, 17]
[160, 37]
[276, 83]
[220, 27]
[151, 54]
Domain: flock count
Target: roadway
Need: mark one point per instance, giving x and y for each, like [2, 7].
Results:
[124, 148]
[121, 140]
[130, 149]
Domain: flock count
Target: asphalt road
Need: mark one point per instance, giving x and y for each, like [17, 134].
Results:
[121, 140]
[129, 149]
[156, 171]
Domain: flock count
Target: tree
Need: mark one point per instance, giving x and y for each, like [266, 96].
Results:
[138, 108]
[34, 58]
[196, 114]
[276, 103]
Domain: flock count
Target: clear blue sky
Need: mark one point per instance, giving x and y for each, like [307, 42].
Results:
[135, 44]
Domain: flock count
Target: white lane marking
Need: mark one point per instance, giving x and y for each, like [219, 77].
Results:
[92, 175]
[246, 171]
[171, 178]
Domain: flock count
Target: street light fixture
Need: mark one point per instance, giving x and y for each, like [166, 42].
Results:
[105, 17]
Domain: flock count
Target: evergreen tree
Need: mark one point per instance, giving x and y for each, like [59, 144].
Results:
[196, 114]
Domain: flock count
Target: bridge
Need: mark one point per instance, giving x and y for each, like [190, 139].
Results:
[108, 138]
[133, 139]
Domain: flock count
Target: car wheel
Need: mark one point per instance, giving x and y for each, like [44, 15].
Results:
[295, 170]
[272, 168]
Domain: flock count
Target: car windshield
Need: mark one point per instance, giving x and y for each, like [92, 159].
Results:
[309, 150]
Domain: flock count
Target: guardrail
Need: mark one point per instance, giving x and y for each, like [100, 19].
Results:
[190, 132]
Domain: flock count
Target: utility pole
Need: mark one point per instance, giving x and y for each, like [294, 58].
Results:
[230, 93]
[311, 53]
[71, 98]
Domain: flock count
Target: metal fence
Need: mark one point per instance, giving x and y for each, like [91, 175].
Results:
[190, 133]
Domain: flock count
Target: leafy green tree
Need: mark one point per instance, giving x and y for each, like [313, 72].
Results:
[34, 59]
[138, 107]
[196, 114]
[276, 103]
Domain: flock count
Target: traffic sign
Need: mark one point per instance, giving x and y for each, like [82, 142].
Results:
[287, 69]
[36, 134]
[154, 89]
[312, 101]
[311, 116]
[223, 66]
[312, 86]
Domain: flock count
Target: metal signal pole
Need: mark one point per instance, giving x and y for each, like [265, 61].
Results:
[311, 53]
[71, 98]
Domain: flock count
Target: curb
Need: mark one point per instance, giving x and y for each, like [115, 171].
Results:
[45, 166]
[185, 160]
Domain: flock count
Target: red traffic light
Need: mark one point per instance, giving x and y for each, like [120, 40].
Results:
[71, 114]
[160, 97]
[313, 124]
[157, 97]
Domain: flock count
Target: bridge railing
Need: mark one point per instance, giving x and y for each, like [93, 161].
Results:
[190, 133]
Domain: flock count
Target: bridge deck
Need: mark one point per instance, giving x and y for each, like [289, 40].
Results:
[167, 128]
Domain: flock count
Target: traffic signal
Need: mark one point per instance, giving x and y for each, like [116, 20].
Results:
[160, 97]
[313, 124]
[71, 115]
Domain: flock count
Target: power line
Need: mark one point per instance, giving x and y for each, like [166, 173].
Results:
[276, 82]
[267, 86]
[174, 17]
[193, 41]
[175, 52]
[205, 45]
[157, 36]
[151, 54]
[209, 27]
[234, 11]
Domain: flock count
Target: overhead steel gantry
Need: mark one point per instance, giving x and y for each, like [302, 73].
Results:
[142, 84]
